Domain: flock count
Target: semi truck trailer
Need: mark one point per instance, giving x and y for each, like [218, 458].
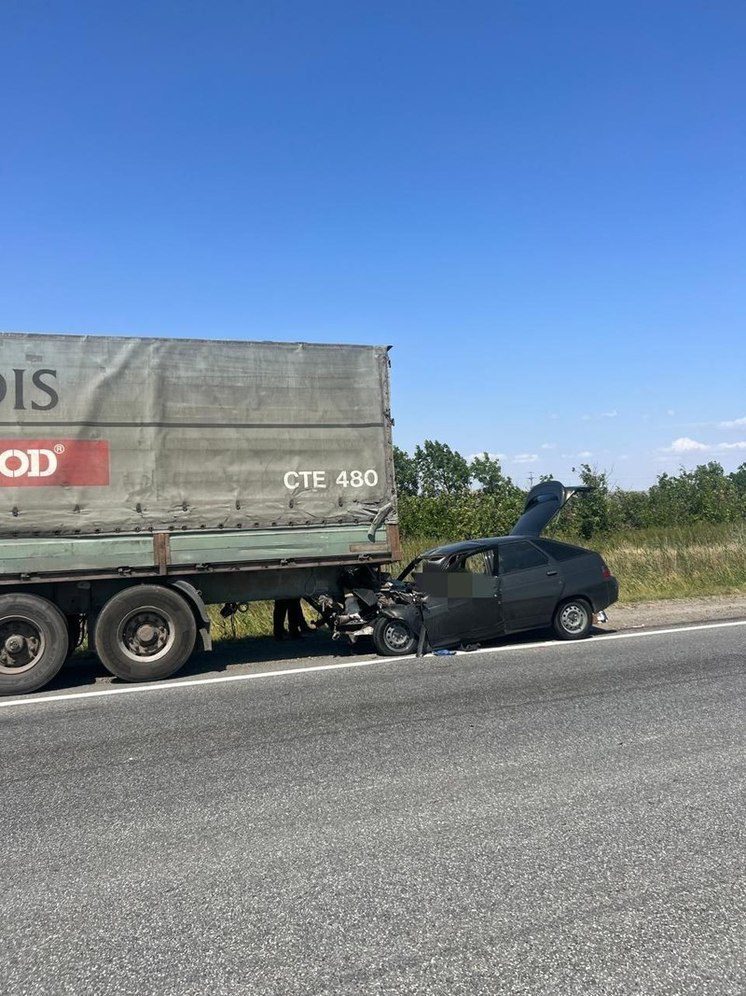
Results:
[142, 480]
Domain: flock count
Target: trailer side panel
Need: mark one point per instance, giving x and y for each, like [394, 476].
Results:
[105, 435]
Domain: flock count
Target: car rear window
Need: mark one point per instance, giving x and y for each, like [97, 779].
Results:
[561, 551]
[519, 555]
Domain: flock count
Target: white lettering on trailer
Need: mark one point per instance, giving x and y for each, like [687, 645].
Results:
[315, 480]
[28, 463]
[310, 479]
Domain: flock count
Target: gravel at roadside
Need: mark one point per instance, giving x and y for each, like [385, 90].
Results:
[676, 610]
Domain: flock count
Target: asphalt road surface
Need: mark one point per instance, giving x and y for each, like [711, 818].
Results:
[543, 818]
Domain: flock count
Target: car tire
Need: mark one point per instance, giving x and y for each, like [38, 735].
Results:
[393, 638]
[145, 633]
[33, 642]
[573, 619]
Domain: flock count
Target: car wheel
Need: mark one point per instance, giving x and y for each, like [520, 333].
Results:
[145, 633]
[33, 643]
[573, 619]
[393, 638]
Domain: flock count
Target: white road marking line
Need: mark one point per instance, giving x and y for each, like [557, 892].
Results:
[173, 686]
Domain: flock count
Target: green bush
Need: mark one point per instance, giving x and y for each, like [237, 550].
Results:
[445, 497]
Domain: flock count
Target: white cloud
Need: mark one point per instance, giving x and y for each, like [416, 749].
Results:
[685, 445]
[584, 454]
[549, 446]
[589, 418]
[526, 457]
[735, 423]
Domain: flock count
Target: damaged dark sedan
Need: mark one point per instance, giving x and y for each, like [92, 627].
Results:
[480, 590]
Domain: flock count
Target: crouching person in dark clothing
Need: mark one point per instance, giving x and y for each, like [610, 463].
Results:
[297, 625]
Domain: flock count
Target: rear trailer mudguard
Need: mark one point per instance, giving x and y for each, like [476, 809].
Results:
[198, 607]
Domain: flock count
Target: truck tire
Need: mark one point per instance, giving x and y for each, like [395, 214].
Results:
[145, 633]
[33, 642]
[393, 638]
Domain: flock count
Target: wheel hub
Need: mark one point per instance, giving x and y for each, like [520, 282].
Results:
[396, 636]
[145, 634]
[21, 644]
[573, 618]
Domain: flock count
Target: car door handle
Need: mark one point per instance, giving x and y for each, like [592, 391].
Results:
[551, 574]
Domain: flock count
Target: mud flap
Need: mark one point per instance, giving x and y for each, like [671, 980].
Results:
[199, 609]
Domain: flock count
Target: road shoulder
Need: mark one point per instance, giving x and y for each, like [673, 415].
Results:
[674, 611]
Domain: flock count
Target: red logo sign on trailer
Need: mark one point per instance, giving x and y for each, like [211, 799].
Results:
[45, 463]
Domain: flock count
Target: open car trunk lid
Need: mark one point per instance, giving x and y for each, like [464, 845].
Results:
[543, 502]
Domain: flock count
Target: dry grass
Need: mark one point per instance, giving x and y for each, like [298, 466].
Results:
[676, 563]
[650, 564]
[257, 621]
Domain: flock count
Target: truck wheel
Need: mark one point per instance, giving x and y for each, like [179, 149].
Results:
[393, 638]
[33, 642]
[145, 633]
[573, 619]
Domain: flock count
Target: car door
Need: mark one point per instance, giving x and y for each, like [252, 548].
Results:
[462, 601]
[530, 585]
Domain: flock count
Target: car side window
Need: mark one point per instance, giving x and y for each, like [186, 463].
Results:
[520, 555]
[476, 563]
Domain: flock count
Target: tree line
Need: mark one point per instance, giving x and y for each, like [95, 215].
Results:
[442, 495]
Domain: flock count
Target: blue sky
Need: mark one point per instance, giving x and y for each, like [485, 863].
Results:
[540, 205]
